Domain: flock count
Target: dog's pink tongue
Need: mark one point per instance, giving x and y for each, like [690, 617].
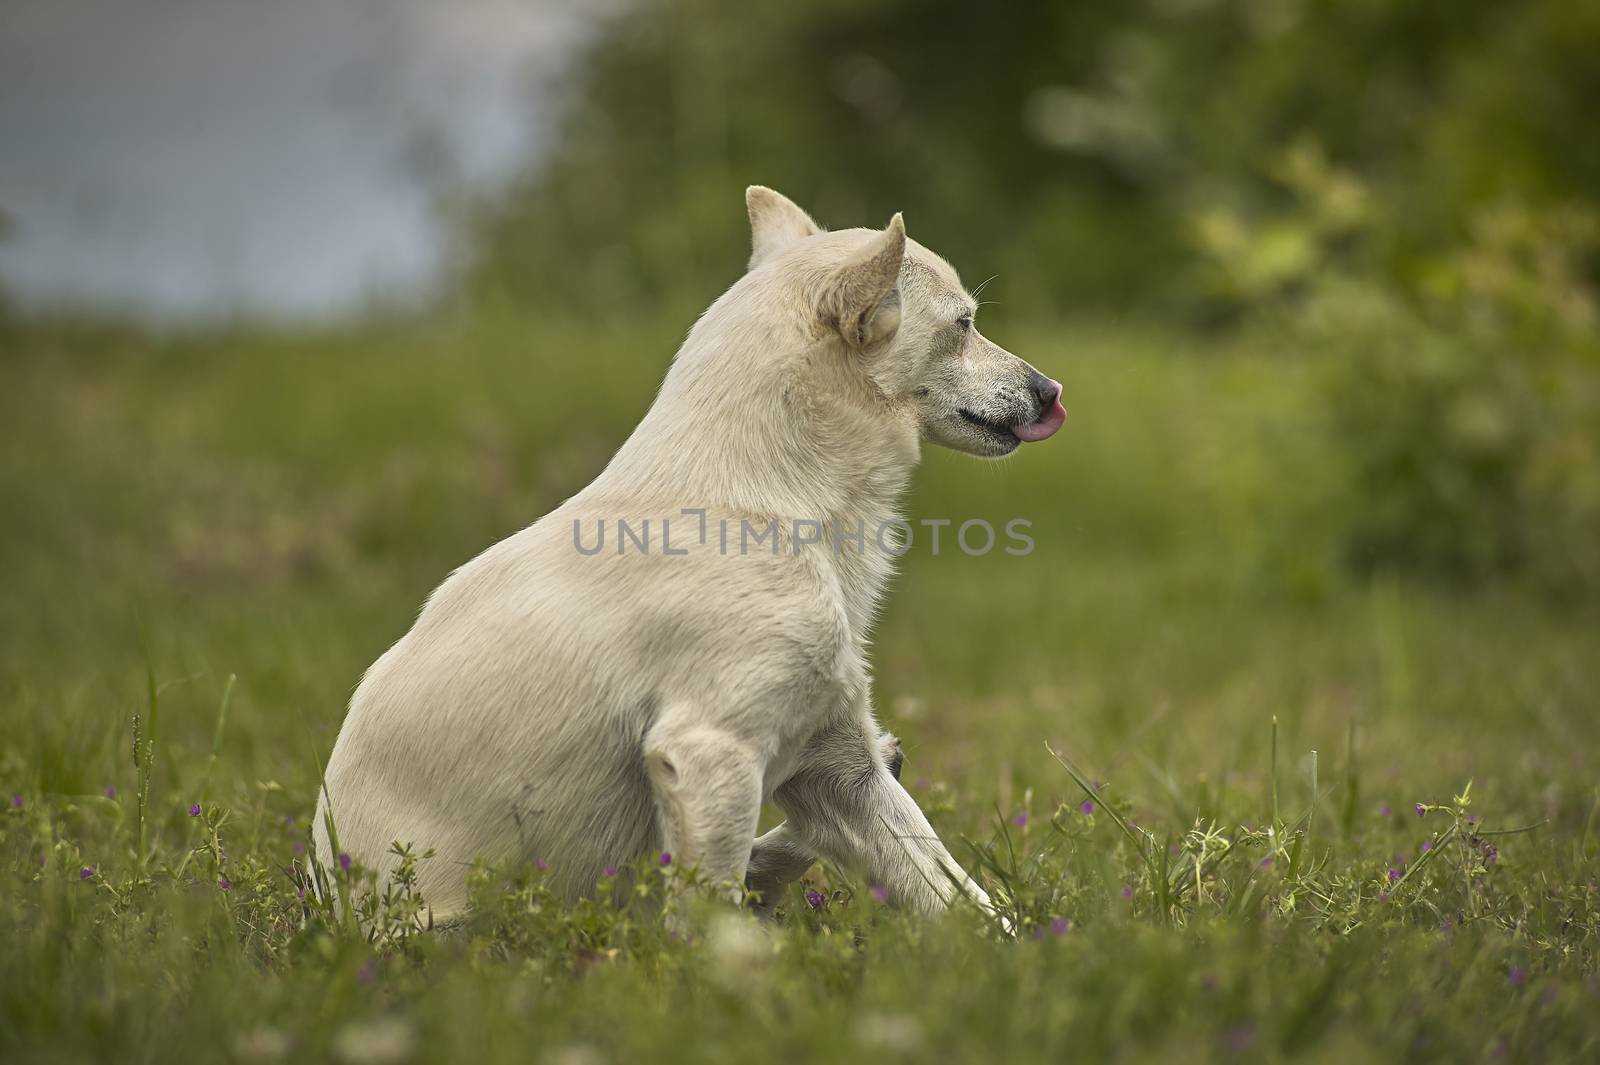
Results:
[1045, 427]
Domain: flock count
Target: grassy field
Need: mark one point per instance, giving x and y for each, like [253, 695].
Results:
[207, 540]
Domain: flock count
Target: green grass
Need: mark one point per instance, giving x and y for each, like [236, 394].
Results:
[246, 521]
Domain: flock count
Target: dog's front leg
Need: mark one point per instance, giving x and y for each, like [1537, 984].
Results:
[780, 857]
[847, 806]
[707, 787]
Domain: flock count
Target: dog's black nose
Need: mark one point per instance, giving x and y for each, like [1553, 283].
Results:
[1047, 390]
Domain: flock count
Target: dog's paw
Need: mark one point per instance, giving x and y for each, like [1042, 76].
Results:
[893, 756]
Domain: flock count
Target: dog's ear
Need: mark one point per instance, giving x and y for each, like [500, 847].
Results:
[862, 298]
[775, 223]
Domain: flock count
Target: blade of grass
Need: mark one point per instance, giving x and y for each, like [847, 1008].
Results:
[1274, 773]
[1311, 814]
[144, 759]
[1141, 843]
[1352, 778]
[346, 904]
[1427, 856]
[216, 735]
[1514, 831]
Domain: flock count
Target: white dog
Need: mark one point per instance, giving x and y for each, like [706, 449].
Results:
[583, 705]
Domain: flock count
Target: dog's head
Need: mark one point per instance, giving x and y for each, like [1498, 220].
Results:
[907, 322]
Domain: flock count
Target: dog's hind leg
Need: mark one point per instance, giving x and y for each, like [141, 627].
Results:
[707, 787]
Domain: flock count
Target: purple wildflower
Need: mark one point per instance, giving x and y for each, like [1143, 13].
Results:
[1087, 806]
[880, 892]
[666, 858]
[86, 872]
[1060, 925]
[1516, 977]
[16, 801]
[1266, 863]
[1426, 846]
[299, 848]
[1021, 820]
[1494, 856]
[111, 791]
[1421, 810]
[225, 884]
[344, 862]
[1127, 891]
[611, 870]
[1383, 896]
[194, 811]
[816, 899]
[1239, 1038]
[539, 864]
[300, 894]
[1385, 810]
[1394, 874]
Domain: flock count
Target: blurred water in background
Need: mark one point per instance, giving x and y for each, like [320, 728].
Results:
[190, 159]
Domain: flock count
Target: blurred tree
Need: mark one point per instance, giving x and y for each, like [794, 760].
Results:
[1065, 146]
[854, 109]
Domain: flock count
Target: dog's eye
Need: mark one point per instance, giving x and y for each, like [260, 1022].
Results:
[964, 322]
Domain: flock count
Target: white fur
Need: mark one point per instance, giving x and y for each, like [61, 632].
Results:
[584, 710]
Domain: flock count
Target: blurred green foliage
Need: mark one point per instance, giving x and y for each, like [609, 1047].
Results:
[1404, 189]
[1468, 420]
[1068, 146]
[1461, 405]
